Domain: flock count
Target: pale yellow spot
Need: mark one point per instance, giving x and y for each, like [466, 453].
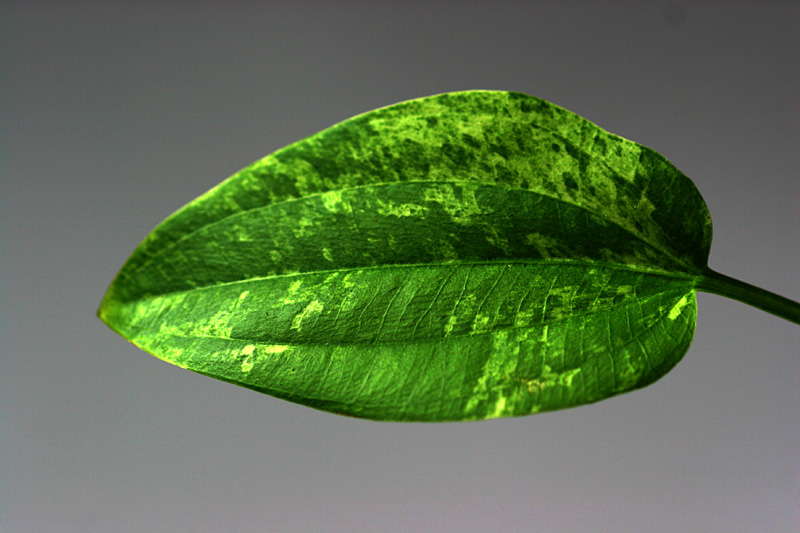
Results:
[545, 330]
[478, 393]
[330, 277]
[292, 292]
[523, 318]
[534, 385]
[333, 202]
[348, 283]
[499, 408]
[481, 324]
[326, 253]
[301, 227]
[275, 348]
[399, 210]
[312, 308]
[496, 367]
[247, 351]
[629, 376]
[451, 322]
[546, 246]
[243, 295]
[560, 301]
[550, 379]
[295, 286]
[675, 312]
[625, 289]
[566, 378]
[217, 325]
[306, 176]
[461, 210]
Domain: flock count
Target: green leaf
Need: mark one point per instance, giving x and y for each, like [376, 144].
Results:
[459, 257]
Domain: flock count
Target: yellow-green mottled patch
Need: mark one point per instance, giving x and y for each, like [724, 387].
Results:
[247, 351]
[302, 227]
[546, 246]
[335, 203]
[675, 312]
[310, 310]
[481, 323]
[275, 348]
[451, 323]
[548, 379]
[388, 208]
[499, 408]
[462, 208]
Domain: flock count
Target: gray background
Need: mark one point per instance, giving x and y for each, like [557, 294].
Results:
[116, 114]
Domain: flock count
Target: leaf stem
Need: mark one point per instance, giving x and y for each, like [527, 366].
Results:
[722, 285]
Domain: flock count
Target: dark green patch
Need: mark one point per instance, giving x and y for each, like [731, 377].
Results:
[601, 144]
[549, 187]
[457, 153]
[569, 181]
[578, 155]
[500, 149]
[470, 141]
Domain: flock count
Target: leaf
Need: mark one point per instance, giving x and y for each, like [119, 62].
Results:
[459, 257]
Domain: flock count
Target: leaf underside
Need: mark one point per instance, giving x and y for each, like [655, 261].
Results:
[459, 257]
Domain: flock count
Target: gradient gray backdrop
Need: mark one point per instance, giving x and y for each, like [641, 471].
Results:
[116, 114]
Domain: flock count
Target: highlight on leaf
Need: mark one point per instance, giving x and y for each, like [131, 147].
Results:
[464, 256]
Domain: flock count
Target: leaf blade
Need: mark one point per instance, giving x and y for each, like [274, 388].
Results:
[444, 183]
[502, 325]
